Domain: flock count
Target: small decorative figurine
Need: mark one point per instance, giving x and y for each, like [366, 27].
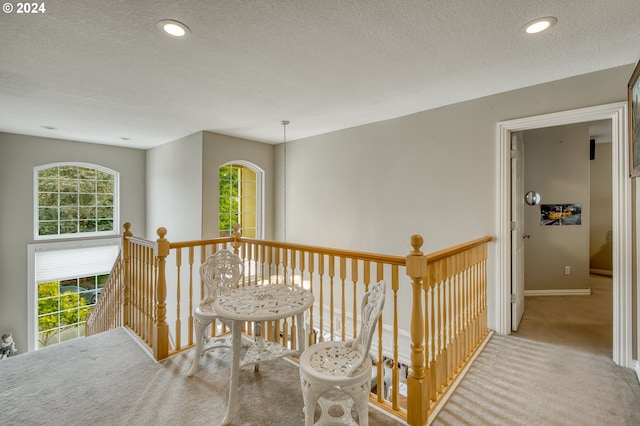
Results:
[7, 347]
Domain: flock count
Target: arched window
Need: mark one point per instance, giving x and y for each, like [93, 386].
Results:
[240, 199]
[75, 200]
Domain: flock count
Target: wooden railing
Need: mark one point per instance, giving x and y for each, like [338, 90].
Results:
[431, 325]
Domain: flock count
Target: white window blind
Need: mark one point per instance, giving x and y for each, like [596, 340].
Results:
[56, 265]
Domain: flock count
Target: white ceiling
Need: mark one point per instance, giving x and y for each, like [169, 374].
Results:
[99, 71]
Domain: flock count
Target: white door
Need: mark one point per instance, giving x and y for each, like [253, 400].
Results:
[517, 229]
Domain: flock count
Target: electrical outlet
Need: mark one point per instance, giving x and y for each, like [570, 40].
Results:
[567, 270]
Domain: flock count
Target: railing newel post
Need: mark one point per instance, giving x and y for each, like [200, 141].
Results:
[236, 238]
[126, 259]
[160, 326]
[417, 385]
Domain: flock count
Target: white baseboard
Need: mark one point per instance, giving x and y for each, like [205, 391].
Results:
[560, 292]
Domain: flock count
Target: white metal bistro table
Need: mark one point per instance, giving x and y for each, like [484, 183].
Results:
[259, 303]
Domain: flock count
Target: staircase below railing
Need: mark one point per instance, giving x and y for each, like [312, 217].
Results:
[431, 326]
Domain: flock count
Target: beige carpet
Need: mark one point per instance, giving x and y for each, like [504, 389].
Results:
[108, 379]
[556, 370]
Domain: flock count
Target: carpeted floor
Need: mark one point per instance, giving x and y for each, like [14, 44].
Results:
[108, 379]
[556, 370]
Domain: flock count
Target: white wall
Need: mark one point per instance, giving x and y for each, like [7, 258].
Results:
[432, 173]
[18, 156]
[182, 188]
[174, 189]
[366, 188]
[557, 167]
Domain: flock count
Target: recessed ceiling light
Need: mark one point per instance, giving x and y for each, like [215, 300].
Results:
[174, 28]
[540, 24]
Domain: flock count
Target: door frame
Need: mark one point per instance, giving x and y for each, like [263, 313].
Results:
[621, 210]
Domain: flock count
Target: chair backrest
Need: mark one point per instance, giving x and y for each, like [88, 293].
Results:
[221, 272]
[371, 309]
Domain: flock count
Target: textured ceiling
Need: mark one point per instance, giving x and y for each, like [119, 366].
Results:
[100, 71]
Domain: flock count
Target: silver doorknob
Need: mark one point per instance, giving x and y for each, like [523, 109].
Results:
[526, 236]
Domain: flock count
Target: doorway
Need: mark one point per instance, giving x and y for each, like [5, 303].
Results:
[572, 186]
[621, 189]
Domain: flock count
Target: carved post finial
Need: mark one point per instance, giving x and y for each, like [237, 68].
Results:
[161, 233]
[416, 242]
[236, 238]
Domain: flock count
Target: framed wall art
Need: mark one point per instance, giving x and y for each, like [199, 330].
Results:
[633, 95]
[561, 214]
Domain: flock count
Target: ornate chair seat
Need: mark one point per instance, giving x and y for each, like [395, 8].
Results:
[220, 272]
[343, 365]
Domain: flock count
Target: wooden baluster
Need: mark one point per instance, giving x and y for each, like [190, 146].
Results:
[191, 261]
[295, 257]
[178, 332]
[418, 405]
[141, 289]
[312, 336]
[285, 263]
[444, 325]
[380, 366]
[133, 287]
[332, 312]
[354, 310]
[152, 291]
[431, 324]
[441, 361]
[343, 306]
[145, 277]
[269, 261]
[366, 280]
[380, 385]
[276, 264]
[321, 303]
[453, 320]
[137, 288]
[395, 372]
[250, 263]
[467, 308]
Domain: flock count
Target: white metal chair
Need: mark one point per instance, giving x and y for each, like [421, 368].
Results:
[343, 365]
[221, 272]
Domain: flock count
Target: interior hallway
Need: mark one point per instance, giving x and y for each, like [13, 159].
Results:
[581, 322]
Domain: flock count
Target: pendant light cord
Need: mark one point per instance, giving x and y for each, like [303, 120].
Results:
[284, 185]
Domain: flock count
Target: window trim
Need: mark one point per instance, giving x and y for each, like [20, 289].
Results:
[116, 203]
[32, 295]
[259, 195]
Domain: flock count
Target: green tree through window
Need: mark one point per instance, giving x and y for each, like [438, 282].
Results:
[61, 309]
[74, 199]
[238, 200]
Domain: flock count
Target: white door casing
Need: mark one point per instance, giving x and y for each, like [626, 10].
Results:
[621, 210]
[517, 230]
